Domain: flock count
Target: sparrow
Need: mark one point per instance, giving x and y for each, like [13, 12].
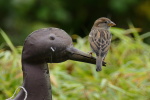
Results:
[100, 39]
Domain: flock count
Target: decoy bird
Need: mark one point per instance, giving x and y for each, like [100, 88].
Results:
[47, 45]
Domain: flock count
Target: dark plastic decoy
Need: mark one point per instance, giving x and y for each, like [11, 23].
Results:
[47, 45]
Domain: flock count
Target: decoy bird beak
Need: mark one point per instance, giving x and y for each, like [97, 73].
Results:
[77, 55]
[111, 24]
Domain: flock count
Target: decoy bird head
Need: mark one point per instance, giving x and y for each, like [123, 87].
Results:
[46, 45]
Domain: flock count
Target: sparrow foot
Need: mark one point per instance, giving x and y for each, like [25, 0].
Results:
[104, 64]
[90, 53]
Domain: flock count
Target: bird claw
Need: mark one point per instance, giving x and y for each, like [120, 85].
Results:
[90, 53]
[104, 63]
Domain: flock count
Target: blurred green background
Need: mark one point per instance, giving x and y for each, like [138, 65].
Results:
[127, 75]
[20, 17]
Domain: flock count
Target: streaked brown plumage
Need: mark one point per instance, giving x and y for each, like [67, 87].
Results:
[100, 39]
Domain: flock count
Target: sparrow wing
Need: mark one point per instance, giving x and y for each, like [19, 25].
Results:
[100, 41]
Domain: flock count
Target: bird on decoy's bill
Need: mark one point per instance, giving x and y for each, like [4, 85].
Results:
[100, 39]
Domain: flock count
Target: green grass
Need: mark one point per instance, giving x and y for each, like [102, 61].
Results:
[126, 77]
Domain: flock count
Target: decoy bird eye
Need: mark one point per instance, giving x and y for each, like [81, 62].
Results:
[52, 38]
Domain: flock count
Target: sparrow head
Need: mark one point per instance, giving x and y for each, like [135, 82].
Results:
[103, 23]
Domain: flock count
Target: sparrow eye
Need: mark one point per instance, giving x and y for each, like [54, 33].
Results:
[105, 22]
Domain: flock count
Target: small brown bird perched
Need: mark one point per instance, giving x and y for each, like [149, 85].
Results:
[100, 39]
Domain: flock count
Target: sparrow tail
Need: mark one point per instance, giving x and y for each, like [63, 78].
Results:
[98, 63]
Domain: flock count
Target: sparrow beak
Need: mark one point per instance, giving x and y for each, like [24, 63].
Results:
[111, 24]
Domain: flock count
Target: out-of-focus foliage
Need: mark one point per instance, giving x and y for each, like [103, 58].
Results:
[21, 17]
[126, 77]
